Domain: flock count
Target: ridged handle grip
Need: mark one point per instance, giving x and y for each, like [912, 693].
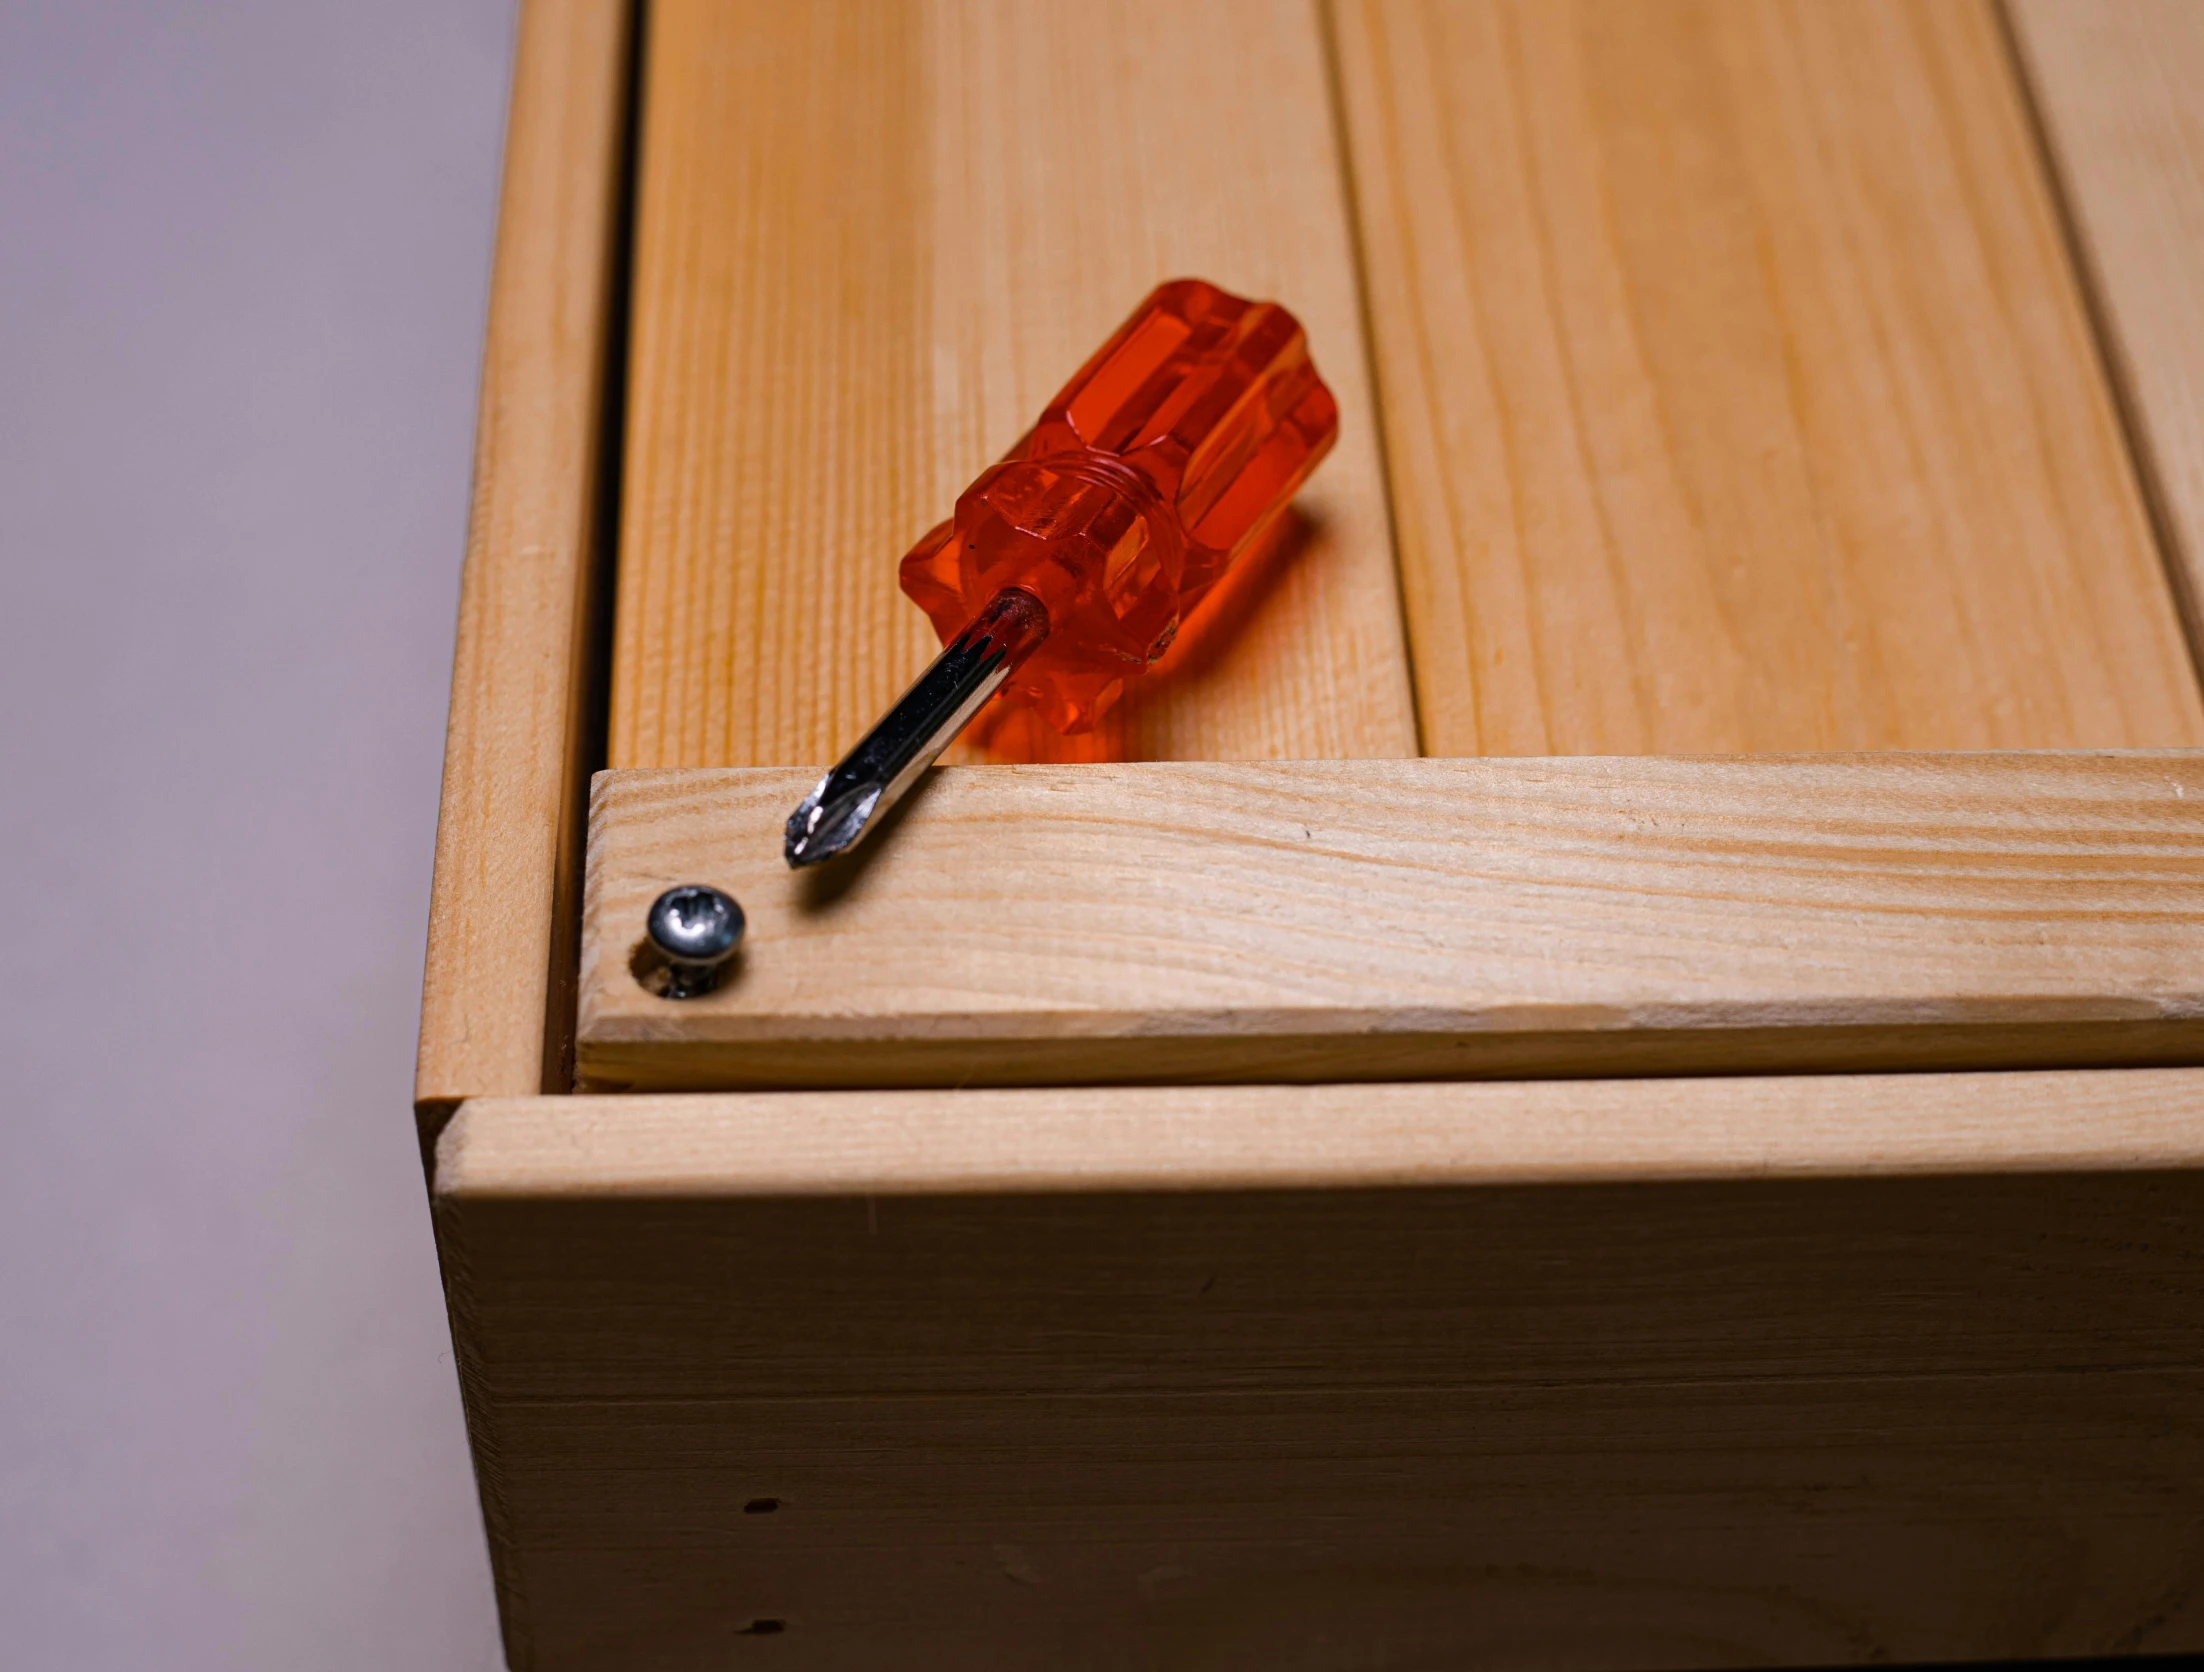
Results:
[1152, 471]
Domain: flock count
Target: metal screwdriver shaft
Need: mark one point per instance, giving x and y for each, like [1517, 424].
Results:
[1069, 565]
[872, 777]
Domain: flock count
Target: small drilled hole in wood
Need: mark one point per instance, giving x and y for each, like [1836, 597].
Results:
[763, 1628]
[761, 1506]
[649, 967]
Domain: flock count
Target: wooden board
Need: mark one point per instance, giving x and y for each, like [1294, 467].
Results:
[1545, 1372]
[2116, 86]
[1616, 1528]
[873, 239]
[1349, 1137]
[1384, 919]
[1737, 391]
[1592, 1374]
[497, 1002]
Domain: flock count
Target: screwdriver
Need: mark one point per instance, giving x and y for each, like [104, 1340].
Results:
[1069, 565]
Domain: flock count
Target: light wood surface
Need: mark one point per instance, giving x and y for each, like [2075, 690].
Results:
[2117, 90]
[498, 995]
[1074, 1138]
[1662, 1373]
[873, 240]
[1737, 391]
[1086, 1379]
[1374, 919]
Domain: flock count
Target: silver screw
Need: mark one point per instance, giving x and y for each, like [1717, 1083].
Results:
[696, 929]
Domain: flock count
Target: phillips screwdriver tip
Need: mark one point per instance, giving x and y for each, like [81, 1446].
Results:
[826, 822]
[890, 758]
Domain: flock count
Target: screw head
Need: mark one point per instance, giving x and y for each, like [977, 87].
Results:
[696, 929]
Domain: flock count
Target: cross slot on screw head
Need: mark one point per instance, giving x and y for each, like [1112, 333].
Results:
[695, 928]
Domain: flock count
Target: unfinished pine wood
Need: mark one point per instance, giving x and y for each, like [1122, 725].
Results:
[1373, 919]
[1092, 1138]
[497, 999]
[1737, 392]
[1090, 1379]
[2116, 87]
[873, 240]
[1595, 1528]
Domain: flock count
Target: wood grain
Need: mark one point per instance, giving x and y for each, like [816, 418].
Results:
[1589, 1529]
[498, 994]
[1737, 391]
[2116, 87]
[863, 1365]
[873, 239]
[1378, 919]
[1345, 1137]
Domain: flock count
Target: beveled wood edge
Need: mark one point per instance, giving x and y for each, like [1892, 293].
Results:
[1091, 1139]
[497, 990]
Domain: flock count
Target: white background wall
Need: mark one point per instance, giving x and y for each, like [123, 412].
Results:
[243, 257]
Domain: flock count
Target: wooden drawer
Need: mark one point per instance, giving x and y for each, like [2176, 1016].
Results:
[1598, 1073]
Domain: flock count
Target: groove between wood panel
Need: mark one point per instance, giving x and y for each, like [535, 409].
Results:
[1739, 394]
[873, 240]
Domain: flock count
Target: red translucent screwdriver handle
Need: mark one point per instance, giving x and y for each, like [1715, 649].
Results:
[1154, 469]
